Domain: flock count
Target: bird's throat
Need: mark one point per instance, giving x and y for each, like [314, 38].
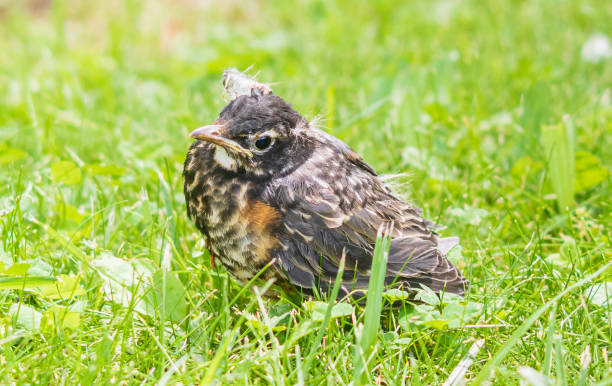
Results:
[223, 159]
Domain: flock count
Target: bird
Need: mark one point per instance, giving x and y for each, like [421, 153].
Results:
[271, 192]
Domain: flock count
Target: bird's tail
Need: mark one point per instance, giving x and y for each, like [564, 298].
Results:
[419, 262]
[445, 244]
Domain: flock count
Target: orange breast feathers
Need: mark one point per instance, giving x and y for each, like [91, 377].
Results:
[263, 220]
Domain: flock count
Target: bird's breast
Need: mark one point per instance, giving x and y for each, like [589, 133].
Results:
[240, 228]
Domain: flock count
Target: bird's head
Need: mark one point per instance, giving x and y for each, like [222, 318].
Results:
[255, 134]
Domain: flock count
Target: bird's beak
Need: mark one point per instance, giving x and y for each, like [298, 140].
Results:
[214, 134]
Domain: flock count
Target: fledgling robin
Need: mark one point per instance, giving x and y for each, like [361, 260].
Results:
[263, 184]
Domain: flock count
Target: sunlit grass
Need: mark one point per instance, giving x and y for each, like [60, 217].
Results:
[503, 129]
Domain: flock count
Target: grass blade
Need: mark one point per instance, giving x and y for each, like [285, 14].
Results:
[558, 141]
[549, 341]
[560, 363]
[366, 338]
[458, 374]
[327, 318]
[219, 355]
[25, 282]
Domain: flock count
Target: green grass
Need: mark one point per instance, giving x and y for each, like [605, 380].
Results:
[505, 131]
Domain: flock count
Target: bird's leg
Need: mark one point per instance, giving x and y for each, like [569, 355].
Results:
[212, 257]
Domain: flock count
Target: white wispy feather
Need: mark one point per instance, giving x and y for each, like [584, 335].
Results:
[237, 83]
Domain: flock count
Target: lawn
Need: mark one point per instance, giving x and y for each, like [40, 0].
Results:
[498, 113]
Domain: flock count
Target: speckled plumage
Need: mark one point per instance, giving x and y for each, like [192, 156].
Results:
[302, 201]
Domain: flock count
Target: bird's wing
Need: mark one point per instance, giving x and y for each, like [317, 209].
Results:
[340, 148]
[330, 207]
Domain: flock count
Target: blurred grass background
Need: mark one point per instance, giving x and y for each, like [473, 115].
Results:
[498, 111]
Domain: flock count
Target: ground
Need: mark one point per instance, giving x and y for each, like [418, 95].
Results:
[498, 113]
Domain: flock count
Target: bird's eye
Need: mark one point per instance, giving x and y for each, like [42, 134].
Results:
[263, 142]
